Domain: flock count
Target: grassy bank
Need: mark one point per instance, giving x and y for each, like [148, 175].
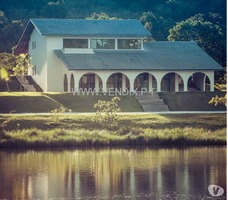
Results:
[192, 101]
[26, 102]
[59, 130]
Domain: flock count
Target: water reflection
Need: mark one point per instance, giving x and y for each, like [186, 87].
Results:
[111, 173]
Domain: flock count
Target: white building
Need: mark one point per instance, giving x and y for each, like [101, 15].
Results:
[68, 54]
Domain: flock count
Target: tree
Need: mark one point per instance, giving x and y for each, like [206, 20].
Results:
[10, 32]
[208, 36]
[54, 10]
[101, 16]
[158, 26]
[7, 62]
[21, 66]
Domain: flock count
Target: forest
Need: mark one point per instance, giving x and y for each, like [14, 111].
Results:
[202, 21]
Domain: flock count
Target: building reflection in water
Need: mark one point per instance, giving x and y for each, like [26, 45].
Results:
[110, 172]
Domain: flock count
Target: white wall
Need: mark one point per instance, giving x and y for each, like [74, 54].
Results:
[54, 74]
[39, 58]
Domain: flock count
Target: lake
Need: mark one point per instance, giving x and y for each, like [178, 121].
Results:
[112, 173]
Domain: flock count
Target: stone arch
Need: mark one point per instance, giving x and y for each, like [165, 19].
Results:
[172, 81]
[90, 80]
[146, 81]
[72, 83]
[199, 81]
[65, 83]
[119, 81]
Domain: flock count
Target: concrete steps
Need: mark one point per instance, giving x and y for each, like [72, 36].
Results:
[29, 84]
[151, 102]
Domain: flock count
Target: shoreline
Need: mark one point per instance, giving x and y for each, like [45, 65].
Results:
[78, 131]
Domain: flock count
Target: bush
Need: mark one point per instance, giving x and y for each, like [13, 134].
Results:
[106, 114]
[60, 110]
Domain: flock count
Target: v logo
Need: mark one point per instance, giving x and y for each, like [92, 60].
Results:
[215, 190]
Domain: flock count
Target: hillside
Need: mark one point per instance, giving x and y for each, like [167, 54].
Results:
[158, 16]
[36, 102]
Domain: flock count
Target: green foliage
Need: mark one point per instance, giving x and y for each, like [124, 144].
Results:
[22, 64]
[101, 16]
[218, 100]
[134, 129]
[158, 26]
[107, 113]
[222, 86]
[10, 31]
[60, 137]
[208, 36]
[54, 10]
[7, 61]
[62, 109]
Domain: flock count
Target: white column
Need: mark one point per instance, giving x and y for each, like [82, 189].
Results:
[150, 82]
[131, 85]
[185, 85]
[212, 80]
[104, 80]
[204, 82]
[76, 83]
[116, 44]
[159, 75]
[68, 83]
[89, 43]
[176, 83]
[97, 83]
[123, 83]
[185, 76]
[159, 79]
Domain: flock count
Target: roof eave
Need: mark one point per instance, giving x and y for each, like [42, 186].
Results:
[22, 46]
[97, 35]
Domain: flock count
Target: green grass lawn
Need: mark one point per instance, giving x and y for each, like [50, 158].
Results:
[192, 101]
[73, 130]
[36, 102]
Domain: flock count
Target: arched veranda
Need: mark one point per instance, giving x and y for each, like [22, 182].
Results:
[172, 82]
[146, 82]
[90, 81]
[118, 81]
[199, 81]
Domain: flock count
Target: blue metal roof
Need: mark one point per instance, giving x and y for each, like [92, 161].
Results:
[82, 27]
[155, 56]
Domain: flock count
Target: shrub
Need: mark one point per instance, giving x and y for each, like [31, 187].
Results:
[61, 110]
[106, 114]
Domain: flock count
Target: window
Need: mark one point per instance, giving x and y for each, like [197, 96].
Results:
[33, 44]
[102, 43]
[129, 44]
[75, 43]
